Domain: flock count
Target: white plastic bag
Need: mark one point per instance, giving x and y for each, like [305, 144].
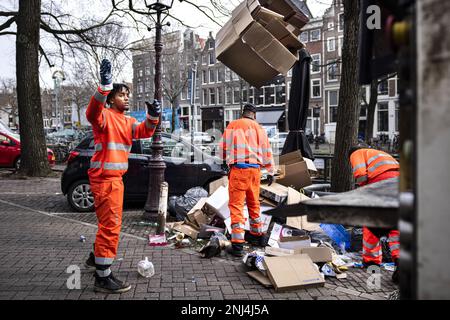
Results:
[146, 268]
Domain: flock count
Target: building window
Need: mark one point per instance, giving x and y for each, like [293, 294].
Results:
[341, 22]
[212, 76]
[280, 94]
[331, 44]
[244, 95]
[315, 35]
[141, 88]
[363, 112]
[236, 95]
[236, 114]
[332, 70]
[269, 95]
[304, 36]
[251, 97]
[212, 58]
[383, 88]
[219, 75]
[141, 73]
[383, 117]
[396, 116]
[148, 71]
[340, 43]
[220, 95]
[204, 58]
[259, 96]
[204, 81]
[333, 97]
[205, 97]
[228, 95]
[211, 44]
[316, 89]
[212, 96]
[315, 63]
[227, 74]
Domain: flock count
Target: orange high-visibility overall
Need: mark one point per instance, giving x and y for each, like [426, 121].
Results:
[245, 142]
[370, 166]
[113, 134]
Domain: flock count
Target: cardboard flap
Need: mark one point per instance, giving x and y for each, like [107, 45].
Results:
[269, 48]
[292, 272]
[291, 13]
[291, 157]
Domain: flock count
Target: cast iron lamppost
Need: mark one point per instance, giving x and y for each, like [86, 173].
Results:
[156, 162]
[58, 77]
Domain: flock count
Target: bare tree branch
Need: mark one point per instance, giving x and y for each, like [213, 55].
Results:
[8, 23]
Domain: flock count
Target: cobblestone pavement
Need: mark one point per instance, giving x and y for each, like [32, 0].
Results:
[39, 240]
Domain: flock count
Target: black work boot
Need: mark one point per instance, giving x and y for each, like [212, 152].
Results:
[90, 262]
[110, 284]
[236, 249]
[255, 240]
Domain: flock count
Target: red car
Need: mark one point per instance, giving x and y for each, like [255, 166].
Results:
[10, 151]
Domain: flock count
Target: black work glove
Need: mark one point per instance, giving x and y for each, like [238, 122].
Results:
[153, 109]
[271, 179]
[105, 73]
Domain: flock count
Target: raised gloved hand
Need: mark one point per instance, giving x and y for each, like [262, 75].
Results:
[106, 75]
[271, 179]
[153, 109]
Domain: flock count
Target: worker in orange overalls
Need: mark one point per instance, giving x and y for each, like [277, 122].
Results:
[246, 148]
[113, 134]
[369, 166]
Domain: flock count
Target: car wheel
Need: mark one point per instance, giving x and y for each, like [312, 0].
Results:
[17, 164]
[80, 196]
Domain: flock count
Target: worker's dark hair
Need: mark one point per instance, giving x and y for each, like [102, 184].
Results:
[360, 145]
[117, 87]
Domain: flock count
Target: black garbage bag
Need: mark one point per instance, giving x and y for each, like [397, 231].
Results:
[356, 238]
[215, 245]
[185, 203]
[321, 237]
[171, 208]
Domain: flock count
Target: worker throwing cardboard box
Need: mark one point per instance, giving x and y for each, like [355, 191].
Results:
[246, 148]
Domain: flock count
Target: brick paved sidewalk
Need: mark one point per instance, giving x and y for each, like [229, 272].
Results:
[39, 240]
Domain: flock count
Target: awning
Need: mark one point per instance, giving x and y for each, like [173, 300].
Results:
[268, 117]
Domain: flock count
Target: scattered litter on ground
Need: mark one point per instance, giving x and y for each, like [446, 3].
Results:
[144, 224]
[215, 245]
[157, 240]
[82, 239]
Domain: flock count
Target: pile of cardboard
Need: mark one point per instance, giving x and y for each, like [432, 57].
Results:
[260, 40]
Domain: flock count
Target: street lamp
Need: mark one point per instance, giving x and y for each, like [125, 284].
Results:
[156, 162]
[58, 77]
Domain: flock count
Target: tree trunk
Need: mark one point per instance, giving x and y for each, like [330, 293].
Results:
[371, 111]
[174, 114]
[349, 106]
[33, 149]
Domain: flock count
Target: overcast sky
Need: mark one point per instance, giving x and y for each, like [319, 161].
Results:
[189, 15]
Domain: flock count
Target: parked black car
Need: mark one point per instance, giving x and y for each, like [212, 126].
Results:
[186, 167]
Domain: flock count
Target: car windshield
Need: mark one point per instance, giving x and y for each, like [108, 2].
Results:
[15, 136]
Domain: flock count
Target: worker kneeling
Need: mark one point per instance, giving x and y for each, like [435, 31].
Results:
[246, 149]
[370, 166]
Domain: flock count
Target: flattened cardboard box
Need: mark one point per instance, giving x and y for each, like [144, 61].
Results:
[246, 45]
[320, 254]
[258, 276]
[293, 272]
